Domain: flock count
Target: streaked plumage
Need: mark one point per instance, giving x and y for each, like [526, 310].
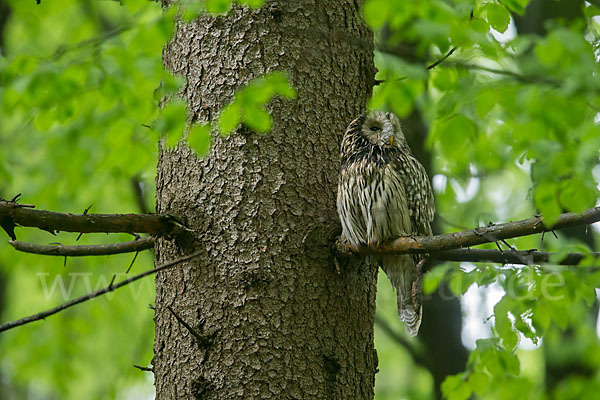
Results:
[384, 193]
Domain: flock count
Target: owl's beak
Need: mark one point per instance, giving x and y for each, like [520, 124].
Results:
[391, 140]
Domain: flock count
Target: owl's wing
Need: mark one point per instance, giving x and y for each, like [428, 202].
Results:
[419, 195]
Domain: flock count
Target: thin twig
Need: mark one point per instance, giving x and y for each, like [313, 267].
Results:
[542, 241]
[441, 60]
[132, 261]
[145, 369]
[84, 213]
[85, 250]
[99, 292]
[429, 67]
[202, 340]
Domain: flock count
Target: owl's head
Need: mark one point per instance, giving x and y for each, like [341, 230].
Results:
[383, 129]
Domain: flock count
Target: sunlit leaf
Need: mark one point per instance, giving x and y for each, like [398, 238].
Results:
[498, 16]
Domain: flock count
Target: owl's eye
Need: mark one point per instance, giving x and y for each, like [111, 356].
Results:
[375, 128]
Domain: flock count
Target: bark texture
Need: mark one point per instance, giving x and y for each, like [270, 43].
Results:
[277, 320]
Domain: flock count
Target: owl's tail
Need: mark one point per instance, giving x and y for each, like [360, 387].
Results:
[403, 273]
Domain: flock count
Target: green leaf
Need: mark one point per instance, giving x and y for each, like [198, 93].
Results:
[171, 122]
[253, 3]
[455, 387]
[503, 325]
[134, 5]
[257, 119]
[484, 102]
[433, 278]
[190, 10]
[498, 16]
[546, 201]
[217, 6]
[247, 105]
[405, 94]
[445, 79]
[455, 135]
[577, 195]
[461, 281]
[517, 6]
[229, 118]
[557, 305]
[591, 10]
[479, 382]
[376, 12]
[280, 84]
[540, 317]
[199, 139]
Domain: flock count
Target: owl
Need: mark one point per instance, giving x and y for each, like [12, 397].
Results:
[384, 193]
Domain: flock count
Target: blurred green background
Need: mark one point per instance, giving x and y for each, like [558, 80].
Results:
[507, 126]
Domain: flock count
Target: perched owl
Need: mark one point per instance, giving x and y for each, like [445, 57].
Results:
[384, 193]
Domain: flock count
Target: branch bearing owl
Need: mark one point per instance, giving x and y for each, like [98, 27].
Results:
[384, 193]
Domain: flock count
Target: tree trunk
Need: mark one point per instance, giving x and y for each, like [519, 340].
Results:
[276, 318]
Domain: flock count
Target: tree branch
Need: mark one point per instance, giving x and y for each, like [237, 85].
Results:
[441, 60]
[13, 214]
[481, 235]
[99, 292]
[89, 250]
[527, 257]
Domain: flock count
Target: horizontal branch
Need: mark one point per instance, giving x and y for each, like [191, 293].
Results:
[486, 234]
[111, 287]
[13, 214]
[527, 257]
[85, 250]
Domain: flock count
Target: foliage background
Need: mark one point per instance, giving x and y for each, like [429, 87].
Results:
[513, 131]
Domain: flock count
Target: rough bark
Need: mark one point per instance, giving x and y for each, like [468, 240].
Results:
[279, 321]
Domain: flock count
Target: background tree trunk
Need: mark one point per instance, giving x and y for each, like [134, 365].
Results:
[280, 321]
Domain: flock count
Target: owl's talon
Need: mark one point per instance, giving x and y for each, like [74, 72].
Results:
[417, 285]
[337, 265]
